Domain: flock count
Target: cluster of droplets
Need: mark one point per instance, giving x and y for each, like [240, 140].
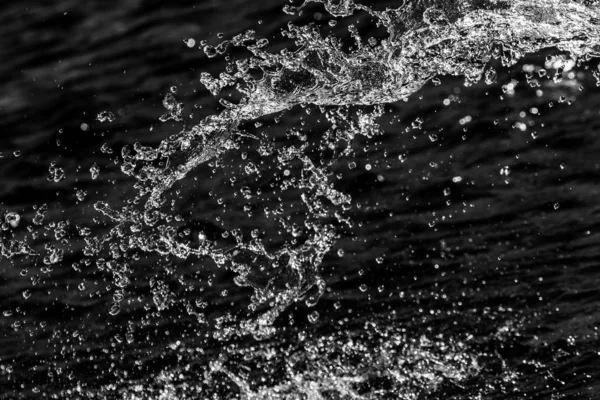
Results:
[56, 174]
[356, 365]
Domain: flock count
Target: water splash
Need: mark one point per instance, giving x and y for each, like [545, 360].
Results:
[425, 41]
[455, 38]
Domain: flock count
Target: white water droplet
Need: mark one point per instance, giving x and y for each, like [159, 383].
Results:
[94, 171]
[13, 219]
[115, 309]
[105, 116]
[313, 317]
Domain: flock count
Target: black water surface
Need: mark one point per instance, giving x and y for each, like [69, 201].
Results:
[508, 264]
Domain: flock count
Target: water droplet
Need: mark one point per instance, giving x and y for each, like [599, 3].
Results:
[105, 116]
[115, 309]
[94, 171]
[491, 76]
[13, 219]
[81, 195]
[250, 168]
[246, 192]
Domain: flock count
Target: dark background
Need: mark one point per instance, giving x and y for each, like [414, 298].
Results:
[487, 286]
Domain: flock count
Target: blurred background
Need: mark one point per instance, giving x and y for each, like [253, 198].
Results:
[471, 267]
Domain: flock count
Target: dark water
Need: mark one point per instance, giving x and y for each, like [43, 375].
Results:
[470, 270]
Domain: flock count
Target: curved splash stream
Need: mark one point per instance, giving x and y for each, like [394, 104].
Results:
[425, 40]
[454, 38]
